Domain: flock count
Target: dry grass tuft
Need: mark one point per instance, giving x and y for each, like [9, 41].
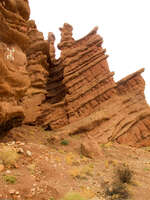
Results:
[9, 156]
[73, 196]
[124, 174]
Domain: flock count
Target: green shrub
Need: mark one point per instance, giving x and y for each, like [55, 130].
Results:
[9, 179]
[64, 142]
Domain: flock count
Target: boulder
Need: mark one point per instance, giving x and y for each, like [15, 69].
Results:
[90, 148]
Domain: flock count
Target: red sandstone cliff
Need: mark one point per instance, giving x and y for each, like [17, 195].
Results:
[37, 56]
[14, 79]
[73, 94]
[92, 102]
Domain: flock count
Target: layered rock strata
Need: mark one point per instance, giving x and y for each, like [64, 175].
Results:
[37, 66]
[93, 102]
[14, 79]
[54, 113]
[79, 80]
[124, 118]
[86, 74]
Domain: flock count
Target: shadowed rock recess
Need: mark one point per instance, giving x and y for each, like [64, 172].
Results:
[74, 94]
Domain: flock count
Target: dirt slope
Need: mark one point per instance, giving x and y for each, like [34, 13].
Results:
[44, 171]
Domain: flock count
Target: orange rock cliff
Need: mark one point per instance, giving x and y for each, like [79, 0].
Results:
[73, 94]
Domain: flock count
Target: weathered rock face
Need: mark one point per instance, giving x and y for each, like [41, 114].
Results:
[86, 74]
[13, 17]
[54, 110]
[89, 99]
[14, 79]
[79, 80]
[37, 56]
[134, 127]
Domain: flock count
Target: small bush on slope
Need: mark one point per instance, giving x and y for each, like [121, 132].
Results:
[118, 189]
[9, 179]
[124, 174]
[64, 142]
[9, 156]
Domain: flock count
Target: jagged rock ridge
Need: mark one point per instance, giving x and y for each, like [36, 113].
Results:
[92, 102]
[73, 94]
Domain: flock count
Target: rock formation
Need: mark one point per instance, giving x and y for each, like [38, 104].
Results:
[14, 79]
[37, 56]
[54, 109]
[92, 101]
[87, 78]
[70, 95]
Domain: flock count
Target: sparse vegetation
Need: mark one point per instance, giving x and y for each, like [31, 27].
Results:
[124, 174]
[146, 148]
[70, 158]
[9, 179]
[31, 168]
[118, 190]
[64, 142]
[107, 145]
[146, 169]
[73, 196]
[51, 198]
[81, 172]
[9, 156]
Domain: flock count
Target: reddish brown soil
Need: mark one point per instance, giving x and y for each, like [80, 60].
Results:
[53, 170]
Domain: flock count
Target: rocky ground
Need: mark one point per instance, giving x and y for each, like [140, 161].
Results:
[35, 168]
